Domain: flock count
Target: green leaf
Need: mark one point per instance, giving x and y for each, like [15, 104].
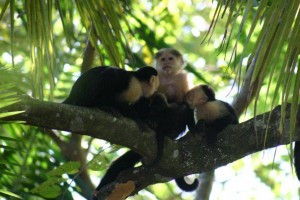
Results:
[8, 148]
[10, 194]
[49, 189]
[9, 139]
[96, 164]
[51, 192]
[4, 162]
[7, 114]
[67, 168]
[4, 8]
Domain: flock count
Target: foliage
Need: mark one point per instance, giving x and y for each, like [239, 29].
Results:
[41, 51]
[50, 188]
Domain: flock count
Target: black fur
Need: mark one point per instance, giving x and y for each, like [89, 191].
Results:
[123, 163]
[297, 159]
[182, 184]
[100, 87]
[210, 129]
[144, 73]
[209, 92]
[118, 166]
[222, 114]
[167, 120]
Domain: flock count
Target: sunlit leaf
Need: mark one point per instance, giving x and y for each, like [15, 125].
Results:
[50, 192]
[49, 189]
[9, 139]
[9, 163]
[9, 148]
[4, 8]
[7, 114]
[69, 168]
[9, 102]
[96, 163]
[10, 194]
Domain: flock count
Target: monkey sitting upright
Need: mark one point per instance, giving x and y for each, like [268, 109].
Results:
[173, 80]
[174, 84]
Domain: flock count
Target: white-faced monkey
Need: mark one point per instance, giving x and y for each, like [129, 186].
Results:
[211, 115]
[173, 80]
[109, 87]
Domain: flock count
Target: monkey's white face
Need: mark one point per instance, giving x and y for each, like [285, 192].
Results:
[169, 63]
[195, 97]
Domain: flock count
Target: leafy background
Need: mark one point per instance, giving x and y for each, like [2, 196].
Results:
[45, 45]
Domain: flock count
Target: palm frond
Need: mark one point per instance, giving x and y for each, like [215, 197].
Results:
[66, 9]
[10, 194]
[5, 6]
[277, 24]
[102, 20]
[40, 32]
[7, 98]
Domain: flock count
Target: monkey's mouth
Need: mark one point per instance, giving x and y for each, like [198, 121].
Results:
[166, 68]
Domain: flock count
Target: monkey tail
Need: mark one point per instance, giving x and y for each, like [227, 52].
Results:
[125, 162]
[160, 148]
[297, 159]
[182, 184]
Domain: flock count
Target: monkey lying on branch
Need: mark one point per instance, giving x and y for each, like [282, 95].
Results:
[113, 88]
[216, 116]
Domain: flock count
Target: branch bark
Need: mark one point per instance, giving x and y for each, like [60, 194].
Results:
[188, 155]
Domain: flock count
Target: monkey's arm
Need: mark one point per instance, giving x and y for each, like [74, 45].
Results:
[219, 124]
[191, 124]
[210, 130]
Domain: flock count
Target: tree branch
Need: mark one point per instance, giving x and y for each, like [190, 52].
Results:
[188, 155]
[83, 121]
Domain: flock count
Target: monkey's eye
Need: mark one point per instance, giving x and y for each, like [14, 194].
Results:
[171, 58]
[162, 59]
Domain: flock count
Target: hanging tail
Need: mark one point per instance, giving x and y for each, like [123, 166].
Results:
[297, 158]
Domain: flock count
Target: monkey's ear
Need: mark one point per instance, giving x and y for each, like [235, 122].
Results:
[154, 81]
[182, 61]
[202, 99]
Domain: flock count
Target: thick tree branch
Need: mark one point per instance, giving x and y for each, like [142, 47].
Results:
[188, 155]
[83, 121]
[194, 156]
